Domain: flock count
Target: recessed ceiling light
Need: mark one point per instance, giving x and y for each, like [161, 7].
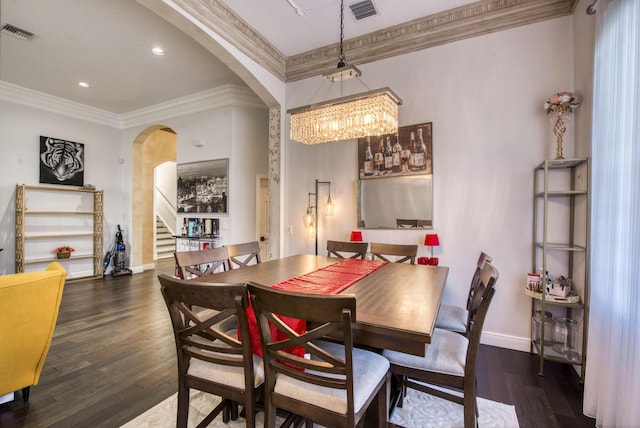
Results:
[157, 51]
[83, 84]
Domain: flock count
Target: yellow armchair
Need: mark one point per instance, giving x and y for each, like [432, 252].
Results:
[29, 304]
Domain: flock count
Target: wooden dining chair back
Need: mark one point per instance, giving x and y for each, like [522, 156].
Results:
[329, 386]
[454, 317]
[192, 264]
[403, 253]
[212, 357]
[450, 358]
[246, 254]
[351, 250]
[405, 223]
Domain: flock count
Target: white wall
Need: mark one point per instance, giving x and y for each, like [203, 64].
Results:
[235, 132]
[484, 96]
[108, 162]
[20, 131]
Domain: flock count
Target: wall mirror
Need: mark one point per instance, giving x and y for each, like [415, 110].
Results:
[395, 202]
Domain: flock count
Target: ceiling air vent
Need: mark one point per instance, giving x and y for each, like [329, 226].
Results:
[18, 32]
[363, 9]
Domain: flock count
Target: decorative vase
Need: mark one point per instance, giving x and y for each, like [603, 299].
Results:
[558, 130]
[559, 114]
[64, 255]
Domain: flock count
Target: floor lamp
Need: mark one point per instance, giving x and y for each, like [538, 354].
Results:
[311, 219]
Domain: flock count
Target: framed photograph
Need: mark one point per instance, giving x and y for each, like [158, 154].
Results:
[203, 187]
[409, 152]
[61, 162]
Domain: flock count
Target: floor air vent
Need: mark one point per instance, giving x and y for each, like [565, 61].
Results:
[18, 32]
[363, 9]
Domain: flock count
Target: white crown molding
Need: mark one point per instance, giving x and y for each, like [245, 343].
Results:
[221, 96]
[217, 16]
[38, 100]
[471, 20]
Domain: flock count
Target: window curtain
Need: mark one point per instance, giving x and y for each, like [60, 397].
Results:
[612, 381]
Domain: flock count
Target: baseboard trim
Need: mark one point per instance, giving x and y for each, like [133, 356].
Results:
[506, 341]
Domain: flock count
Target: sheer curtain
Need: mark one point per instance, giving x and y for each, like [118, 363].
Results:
[612, 381]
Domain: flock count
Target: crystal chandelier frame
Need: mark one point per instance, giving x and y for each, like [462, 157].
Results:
[356, 116]
[365, 114]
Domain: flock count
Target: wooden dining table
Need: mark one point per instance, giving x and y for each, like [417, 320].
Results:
[396, 305]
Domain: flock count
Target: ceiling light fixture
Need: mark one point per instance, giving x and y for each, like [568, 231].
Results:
[157, 51]
[366, 114]
[84, 84]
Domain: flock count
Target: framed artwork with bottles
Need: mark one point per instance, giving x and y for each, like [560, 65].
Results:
[408, 152]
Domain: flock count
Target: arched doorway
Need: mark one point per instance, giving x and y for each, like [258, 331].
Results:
[153, 146]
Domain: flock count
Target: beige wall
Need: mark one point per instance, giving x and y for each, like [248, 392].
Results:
[157, 148]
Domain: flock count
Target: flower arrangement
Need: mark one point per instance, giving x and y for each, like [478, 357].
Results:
[63, 250]
[562, 102]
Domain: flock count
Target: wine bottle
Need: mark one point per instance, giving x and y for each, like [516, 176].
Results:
[388, 158]
[379, 158]
[412, 148]
[421, 153]
[395, 155]
[368, 159]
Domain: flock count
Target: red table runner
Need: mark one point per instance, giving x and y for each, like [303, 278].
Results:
[330, 279]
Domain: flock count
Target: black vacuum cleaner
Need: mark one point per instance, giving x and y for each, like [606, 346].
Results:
[117, 253]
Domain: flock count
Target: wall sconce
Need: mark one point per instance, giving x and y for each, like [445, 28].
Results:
[310, 218]
[431, 240]
[356, 236]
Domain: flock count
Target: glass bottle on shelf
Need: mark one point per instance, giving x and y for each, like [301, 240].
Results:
[538, 324]
[368, 159]
[565, 336]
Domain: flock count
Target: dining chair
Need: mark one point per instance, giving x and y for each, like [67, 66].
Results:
[456, 318]
[241, 255]
[356, 250]
[449, 364]
[403, 253]
[201, 262]
[212, 358]
[406, 223]
[336, 384]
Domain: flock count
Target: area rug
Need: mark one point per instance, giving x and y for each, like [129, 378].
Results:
[419, 410]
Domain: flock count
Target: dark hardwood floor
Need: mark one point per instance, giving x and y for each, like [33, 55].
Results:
[113, 357]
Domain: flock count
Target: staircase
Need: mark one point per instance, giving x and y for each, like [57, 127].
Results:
[165, 242]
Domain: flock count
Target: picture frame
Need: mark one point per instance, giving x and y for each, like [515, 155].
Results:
[203, 187]
[61, 162]
[408, 152]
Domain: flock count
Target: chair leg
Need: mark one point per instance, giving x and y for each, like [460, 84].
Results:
[402, 388]
[383, 402]
[183, 407]
[226, 411]
[269, 415]
[234, 410]
[25, 394]
[470, 411]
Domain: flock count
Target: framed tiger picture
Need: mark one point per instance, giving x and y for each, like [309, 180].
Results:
[61, 162]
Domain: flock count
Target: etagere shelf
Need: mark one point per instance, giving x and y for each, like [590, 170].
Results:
[561, 207]
[48, 217]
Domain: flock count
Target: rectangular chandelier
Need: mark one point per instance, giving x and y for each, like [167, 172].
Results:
[355, 116]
